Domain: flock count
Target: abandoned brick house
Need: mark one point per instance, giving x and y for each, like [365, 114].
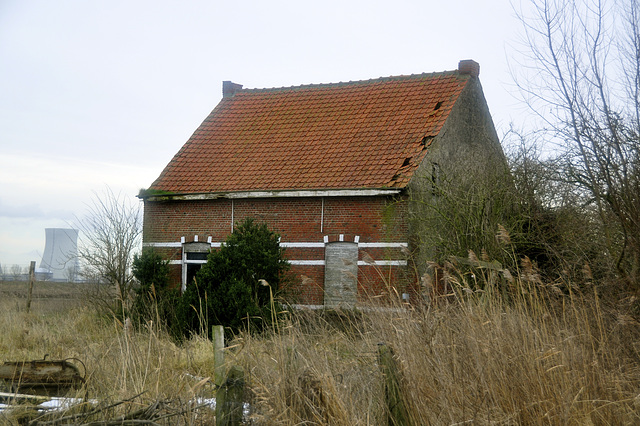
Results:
[329, 167]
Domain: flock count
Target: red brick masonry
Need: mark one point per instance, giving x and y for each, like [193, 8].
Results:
[376, 223]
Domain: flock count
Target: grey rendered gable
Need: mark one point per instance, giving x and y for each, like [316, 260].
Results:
[467, 152]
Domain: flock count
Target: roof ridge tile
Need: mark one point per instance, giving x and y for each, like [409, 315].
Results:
[275, 89]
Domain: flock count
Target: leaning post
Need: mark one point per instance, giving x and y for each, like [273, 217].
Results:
[397, 414]
[32, 278]
[218, 354]
[230, 399]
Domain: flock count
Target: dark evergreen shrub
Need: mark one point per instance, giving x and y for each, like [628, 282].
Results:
[237, 286]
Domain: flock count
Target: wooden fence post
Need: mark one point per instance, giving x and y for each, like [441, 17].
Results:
[32, 278]
[230, 399]
[218, 354]
[396, 409]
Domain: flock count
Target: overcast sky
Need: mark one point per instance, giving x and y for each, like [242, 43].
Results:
[100, 93]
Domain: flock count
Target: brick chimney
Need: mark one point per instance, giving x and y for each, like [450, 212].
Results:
[229, 88]
[469, 66]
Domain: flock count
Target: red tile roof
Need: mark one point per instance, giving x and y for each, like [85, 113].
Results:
[363, 134]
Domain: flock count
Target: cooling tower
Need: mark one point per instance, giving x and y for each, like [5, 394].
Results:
[60, 258]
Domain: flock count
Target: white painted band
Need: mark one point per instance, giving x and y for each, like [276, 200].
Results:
[191, 262]
[384, 263]
[177, 244]
[293, 244]
[361, 245]
[360, 263]
[384, 245]
[302, 245]
[307, 262]
[174, 244]
[314, 262]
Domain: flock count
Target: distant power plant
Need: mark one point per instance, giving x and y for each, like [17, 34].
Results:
[60, 258]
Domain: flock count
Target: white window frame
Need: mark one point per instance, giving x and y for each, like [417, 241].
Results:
[193, 247]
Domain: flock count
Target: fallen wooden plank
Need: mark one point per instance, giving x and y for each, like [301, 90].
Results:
[19, 398]
[46, 374]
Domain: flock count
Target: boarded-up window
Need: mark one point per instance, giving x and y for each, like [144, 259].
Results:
[341, 274]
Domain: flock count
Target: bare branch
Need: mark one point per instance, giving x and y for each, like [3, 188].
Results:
[110, 234]
[583, 64]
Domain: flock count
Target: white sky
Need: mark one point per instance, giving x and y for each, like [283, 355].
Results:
[97, 93]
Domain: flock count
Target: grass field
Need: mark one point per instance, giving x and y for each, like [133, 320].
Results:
[548, 358]
[47, 297]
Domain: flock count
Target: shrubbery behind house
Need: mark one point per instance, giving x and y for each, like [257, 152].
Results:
[154, 300]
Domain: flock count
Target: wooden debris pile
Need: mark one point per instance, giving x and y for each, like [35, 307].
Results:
[131, 411]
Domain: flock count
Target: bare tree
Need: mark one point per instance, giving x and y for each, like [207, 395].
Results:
[71, 272]
[579, 71]
[110, 233]
[16, 272]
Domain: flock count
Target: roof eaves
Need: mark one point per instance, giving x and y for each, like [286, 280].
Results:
[362, 192]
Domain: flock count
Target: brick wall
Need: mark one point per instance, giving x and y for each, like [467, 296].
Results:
[298, 221]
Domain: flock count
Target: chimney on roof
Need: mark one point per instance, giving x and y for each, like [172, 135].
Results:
[469, 66]
[229, 88]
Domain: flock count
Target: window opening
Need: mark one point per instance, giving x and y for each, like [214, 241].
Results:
[435, 178]
[194, 255]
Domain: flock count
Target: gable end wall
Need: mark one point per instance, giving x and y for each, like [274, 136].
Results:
[467, 152]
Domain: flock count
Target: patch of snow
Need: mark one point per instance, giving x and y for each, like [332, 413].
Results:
[57, 403]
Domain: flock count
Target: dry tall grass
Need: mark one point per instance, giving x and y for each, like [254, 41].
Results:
[547, 358]
[477, 361]
[121, 361]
